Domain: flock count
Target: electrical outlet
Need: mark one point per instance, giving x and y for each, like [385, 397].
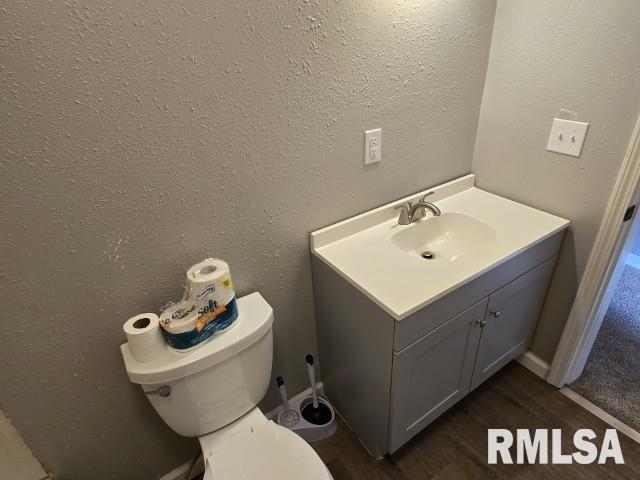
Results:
[567, 137]
[372, 146]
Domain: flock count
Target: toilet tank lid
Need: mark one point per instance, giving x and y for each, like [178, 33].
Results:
[255, 318]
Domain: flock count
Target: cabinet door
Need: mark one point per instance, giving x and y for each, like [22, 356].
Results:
[433, 373]
[510, 321]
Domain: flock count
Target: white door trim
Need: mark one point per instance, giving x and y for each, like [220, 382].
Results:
[592, 298]
[16, 460]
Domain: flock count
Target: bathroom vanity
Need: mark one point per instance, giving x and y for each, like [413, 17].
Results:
[413, 317]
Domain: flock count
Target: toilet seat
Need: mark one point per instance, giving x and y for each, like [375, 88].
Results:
[253, 447]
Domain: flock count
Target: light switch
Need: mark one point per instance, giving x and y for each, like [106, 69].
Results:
[372, 146]
[567, 137]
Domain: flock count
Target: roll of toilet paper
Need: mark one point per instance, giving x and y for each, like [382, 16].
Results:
[210, 288]
[180, 317]
[178, 323]
[144, 336]
[181, 328]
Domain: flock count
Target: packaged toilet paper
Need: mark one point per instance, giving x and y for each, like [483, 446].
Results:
[209, 306]
[210, 288]
[178, 324]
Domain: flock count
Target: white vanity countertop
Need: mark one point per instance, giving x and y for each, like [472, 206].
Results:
[476, 232]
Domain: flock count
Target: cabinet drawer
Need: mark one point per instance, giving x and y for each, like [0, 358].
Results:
[432, 374]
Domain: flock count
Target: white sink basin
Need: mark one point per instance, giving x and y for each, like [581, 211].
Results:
[449, 237]
[476, 232]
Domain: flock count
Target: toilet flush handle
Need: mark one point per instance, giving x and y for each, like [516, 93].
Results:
[162, 391]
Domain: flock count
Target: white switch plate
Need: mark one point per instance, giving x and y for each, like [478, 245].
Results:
[372, 146]
[567, 137]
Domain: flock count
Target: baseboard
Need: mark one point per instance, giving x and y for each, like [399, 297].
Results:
[179, 472]
[633, 260]
[534, 363]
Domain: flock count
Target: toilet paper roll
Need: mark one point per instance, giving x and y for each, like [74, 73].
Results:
[210, 288]
[179, 318]
[144, 336]
[203, 275]
[180, 327]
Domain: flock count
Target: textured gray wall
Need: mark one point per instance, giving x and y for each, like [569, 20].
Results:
[139, 137]
[547, 55]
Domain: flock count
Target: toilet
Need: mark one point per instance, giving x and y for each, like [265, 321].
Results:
[212, 393]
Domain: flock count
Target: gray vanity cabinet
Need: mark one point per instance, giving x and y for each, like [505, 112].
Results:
[510, 321]
[436, 371]
[390, 378]
[433, 373]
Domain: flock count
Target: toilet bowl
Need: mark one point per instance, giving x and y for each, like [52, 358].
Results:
[212, 393]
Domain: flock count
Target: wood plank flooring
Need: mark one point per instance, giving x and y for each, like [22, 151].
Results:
[455, 446]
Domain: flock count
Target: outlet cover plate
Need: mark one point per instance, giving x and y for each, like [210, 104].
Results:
[372, 146]
[567, 137]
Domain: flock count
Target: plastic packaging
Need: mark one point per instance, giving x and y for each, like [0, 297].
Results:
[208, 307]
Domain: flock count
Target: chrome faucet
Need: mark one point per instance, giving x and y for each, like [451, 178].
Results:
[412, 212]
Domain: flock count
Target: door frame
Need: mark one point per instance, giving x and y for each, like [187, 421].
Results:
[599, 278]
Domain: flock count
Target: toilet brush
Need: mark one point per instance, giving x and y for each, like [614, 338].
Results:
[287, 417]
[312, 379]
[316, 412]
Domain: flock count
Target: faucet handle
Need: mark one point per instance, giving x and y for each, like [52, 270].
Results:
[404, 219]
[423, 198]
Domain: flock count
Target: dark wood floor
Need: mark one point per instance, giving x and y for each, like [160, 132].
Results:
[455, 446]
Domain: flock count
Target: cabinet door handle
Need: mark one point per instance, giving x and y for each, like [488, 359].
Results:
[482, 323]
[495, 313]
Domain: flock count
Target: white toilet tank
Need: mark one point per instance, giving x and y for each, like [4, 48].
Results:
[200, 391]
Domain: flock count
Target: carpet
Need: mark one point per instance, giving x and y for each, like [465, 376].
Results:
[611, 379]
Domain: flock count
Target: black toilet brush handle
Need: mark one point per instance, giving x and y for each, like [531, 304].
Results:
[283, 393]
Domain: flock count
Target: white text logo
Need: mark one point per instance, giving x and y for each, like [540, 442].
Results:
[544, 448]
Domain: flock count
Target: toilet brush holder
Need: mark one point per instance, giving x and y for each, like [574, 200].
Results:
[312, 417]
[314, 424]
